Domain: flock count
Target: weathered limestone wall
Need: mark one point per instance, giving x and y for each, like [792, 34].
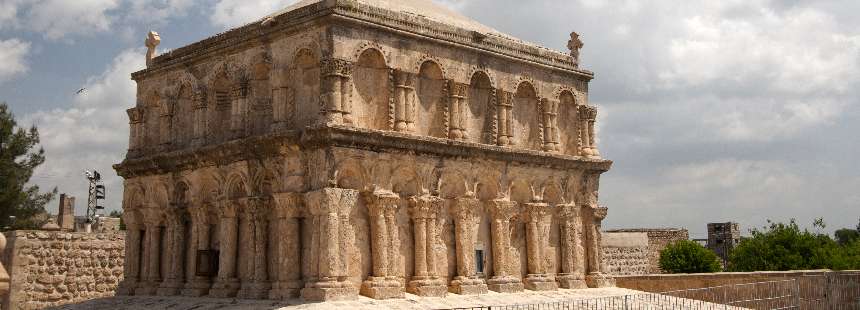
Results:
[626, 253]
[658, 239]
[55, 268]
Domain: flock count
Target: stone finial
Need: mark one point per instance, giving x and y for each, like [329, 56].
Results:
[575, 44]
[152, 41]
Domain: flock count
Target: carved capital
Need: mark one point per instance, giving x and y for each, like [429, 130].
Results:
[425, 206]
[381, 202]
[153, 216]
[175, 215]
[568, 211]
[506, 99]
[131, 220]
[241, 91]
[288, 205]
[199, 213]
[199, 99]
[229, 208]
[259, 208]
[599, 213]
[587, 113]
[536, 211]
[331, 200]
[403, 79]
[503, 209]
[466, 208]
[458, 90]
[336, 67]
[135, 115]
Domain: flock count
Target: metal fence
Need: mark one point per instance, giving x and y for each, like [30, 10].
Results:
[840, 291]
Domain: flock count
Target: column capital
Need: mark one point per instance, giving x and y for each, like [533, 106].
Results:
[229, 208]
[568, 211]
[199, 212]
[466, 207]
[331, 200]
[131, 220]
[503, 209]
[135, 115]
[587, 113]
[536, 211]
[288, 205]
[152, 216]
[380, 201]
[425, 206]
[336, 67]
[506, 98]
[175, 215]
[258, 208]
[599, 213]
[458, 90]
[403, 79]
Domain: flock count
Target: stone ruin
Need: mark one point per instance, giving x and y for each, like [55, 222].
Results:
[346, 147]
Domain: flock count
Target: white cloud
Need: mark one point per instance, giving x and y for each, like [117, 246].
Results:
[91, 134]
[13, 54]
[59, 18]
[158, 11]
[234, 13]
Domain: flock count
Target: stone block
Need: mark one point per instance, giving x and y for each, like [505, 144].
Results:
[329, 294]
[379, 288]
[597, 280]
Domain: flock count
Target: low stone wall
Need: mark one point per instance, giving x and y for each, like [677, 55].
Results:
[48, 268]
[658, 239]
[656, 283]
[625, 253]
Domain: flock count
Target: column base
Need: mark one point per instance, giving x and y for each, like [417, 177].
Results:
[169, 288]
[285, 290]
[329, 290]
[540, 282]
[126, 287]
[254, 290]
[570, 281]
[382, 288]
[468, 286]
[597, 280]
[427, 287]
[225, 288]
[505, 284]
[146, 289]
[196, 288]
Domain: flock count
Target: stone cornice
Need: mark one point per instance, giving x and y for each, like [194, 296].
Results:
[261, 147]
[348, 10]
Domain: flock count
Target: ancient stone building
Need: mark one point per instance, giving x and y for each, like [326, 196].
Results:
[346, 147]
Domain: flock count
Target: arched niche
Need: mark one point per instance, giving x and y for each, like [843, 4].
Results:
[568, 123]
[430, 121]
[480, 101]
[183, 117]
[261, 110]
[305, 84]
[371, 103]
[220, 107]
[526, 124]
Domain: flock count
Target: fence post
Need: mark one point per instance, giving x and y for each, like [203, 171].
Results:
[626, 306]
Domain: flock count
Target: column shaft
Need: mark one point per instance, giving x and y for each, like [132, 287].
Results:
[502, 211]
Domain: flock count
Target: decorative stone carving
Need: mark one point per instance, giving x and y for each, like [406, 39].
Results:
[152, 41]
[425, 211]
[575, 44]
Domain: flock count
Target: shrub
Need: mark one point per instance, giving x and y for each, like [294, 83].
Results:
[688, 257]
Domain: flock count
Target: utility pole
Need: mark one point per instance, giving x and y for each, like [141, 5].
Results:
[96, 193]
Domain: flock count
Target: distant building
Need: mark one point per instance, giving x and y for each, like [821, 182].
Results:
[66, 213]
[723, 238]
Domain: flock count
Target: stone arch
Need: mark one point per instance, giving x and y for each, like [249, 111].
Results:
[568, 123]
[372, 81]
[181, 194]
[453, 184]
[527, 125]
[236, 186]
[481, 105]
[488, 186]
[432, 107]
[521, 191]
[135, 196]
[406, 181]
[305, 88]
[158, 193]
[351, 174]
[552, 192]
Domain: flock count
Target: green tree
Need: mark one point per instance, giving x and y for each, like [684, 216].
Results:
[118, 213]
[782, 247]
[26, 203]
[687, 256]
[846, 236]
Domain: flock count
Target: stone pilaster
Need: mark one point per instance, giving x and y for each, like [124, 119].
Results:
[282, 103]
[384, 245]
[572, 251]
[503, 212]
[151, 277]
[200, 118]
[166, 123]
[505, 105]
[538, 217]
[425, 211]
[227, 283]
[239, 109]
[329, 211]
[404, 101]
[458, 108]
[337, 91]
[596, 268]
[466, 212]
[258, 286]
[175, 217]
[135, 122]
[131, 267]
[288, 246]
[198, 284]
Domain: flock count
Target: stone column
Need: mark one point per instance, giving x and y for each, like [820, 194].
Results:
[404, 89]
[503, 211]
[198, 284]
[281, 103]
[131, 267]
[587, 117]
[467, 216]
[384, 245]
[458, 109]
[596, 268]
[200, 113]
[175, 244]
[288, 246]
[259, 286]
[550, 112]
[329, 210]
[166, 123]
[337, 90]
[238, 109]
[135, 122]
[505, 117]
[227, 284]
[538, 217]
[425, 211]
[572, 251]
[153, 218]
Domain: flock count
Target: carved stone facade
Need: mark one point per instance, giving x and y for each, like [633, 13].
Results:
[362, 147]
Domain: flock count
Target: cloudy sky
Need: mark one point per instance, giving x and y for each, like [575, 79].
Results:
[731, 110]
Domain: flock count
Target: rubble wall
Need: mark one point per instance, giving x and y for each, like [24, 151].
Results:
[51, 268]
[625, 253]
[658, 239]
